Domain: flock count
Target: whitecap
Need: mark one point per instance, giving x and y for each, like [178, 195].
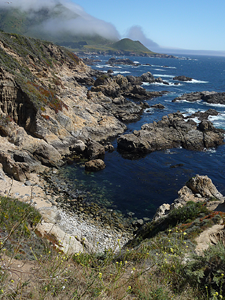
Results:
[209, 151]
[185, 100]
[145, 83]
[196, 120]
[148, 110]
[196, 81]
[160, 70]
[103, 66]
[121, 72]
[218, 121]
[164, 75]
[136, 62]
[190, 111]
[214, 104]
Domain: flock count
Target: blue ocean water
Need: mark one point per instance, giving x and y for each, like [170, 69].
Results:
[141, 185]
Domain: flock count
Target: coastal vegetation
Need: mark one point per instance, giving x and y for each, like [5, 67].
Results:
[161, 267]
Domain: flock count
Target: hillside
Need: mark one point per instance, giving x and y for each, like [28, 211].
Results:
[40, 24]
[129, 45]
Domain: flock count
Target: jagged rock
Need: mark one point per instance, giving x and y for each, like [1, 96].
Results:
[203, 185]
[197, 189]
[172, 131]
[147, 77]
[159, 105]
[94, 150]
[17, 170]
[78, 147]
[162, 211]
[109, 147]
[121, 61]
[195, 96]
[94, 165]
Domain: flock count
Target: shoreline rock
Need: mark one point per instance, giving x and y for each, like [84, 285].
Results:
[209, 97]
[172, 131]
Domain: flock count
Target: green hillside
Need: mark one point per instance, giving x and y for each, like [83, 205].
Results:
[129, 45]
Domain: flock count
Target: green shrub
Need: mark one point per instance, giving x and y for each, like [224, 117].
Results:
[207, 271]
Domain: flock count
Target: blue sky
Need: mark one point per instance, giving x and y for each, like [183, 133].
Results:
[192, 24]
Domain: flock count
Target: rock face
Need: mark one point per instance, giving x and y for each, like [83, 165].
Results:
[209, 97]
[172, 131]
[197, 189]
[129, 87]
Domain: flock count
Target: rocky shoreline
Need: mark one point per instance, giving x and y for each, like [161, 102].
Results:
[55, 109]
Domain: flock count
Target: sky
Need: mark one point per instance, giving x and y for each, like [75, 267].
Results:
[168, 24]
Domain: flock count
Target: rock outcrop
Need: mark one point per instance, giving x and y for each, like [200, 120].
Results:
[94, 165]
[209, 97]
[172, 131]
[197, 189]
[182, 78]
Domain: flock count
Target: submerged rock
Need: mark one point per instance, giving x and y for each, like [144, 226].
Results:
[95, 165]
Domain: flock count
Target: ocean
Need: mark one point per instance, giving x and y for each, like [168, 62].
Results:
[140, 186]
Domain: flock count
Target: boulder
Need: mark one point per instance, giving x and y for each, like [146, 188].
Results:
[147, 77]
[94, 165]
[94, 150]
[158, 105]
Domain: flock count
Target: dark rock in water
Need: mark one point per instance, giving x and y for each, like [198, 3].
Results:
[159, 105]
[109, 147]
[204, 115]
[195, 96]
[172, 131]
[134, 80]
[121, 61]
[215, 98]
[94, 150]
[94, 165]
[147, 77]
[182, 78]
[110, 71]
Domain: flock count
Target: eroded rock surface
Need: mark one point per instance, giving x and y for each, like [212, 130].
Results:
[172, 131]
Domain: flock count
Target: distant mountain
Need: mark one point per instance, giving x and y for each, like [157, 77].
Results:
[129, 45]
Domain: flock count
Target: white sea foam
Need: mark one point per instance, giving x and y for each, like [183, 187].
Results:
[184, 100]
[103, 66]
[160, 70]
[190, 111]
[145, 83]
[214, 104]
[196, 81]
[136, 62]
[209, 151]
[218, 121]
[121, 72]
[196, 120]
[163, 75]
[148, 110]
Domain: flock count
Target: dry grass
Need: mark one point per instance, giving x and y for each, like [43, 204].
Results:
[156, 269]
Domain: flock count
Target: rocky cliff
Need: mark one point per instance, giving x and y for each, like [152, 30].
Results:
[46, 113]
